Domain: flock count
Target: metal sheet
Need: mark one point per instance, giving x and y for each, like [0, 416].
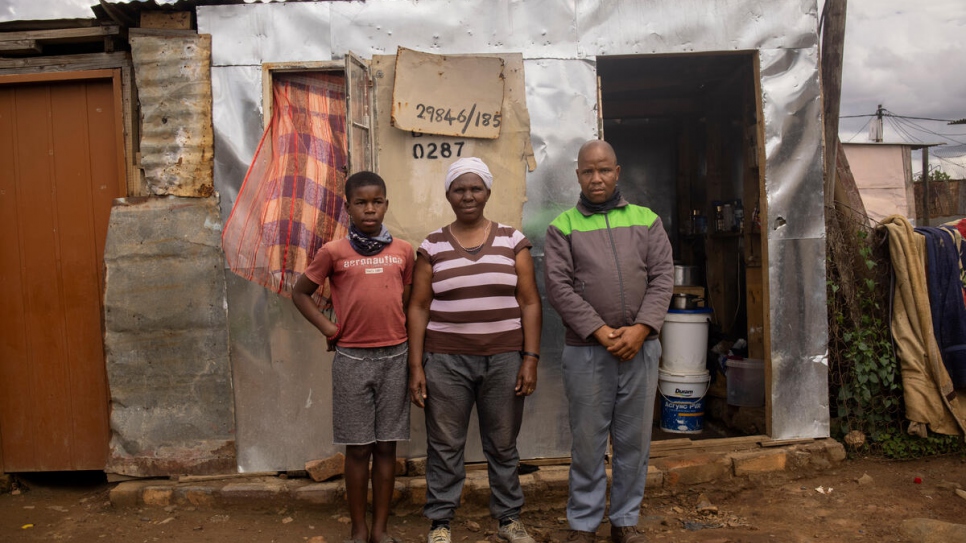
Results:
[799, 339]
[561, 100]
[281, 376]
[174, 90]
[636, 27]
[537, 29]
[257, 33]
[237, 117]
[796, 242]
[792, 103]
[555, 86]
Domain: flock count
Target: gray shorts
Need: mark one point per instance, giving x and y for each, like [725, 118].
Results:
[370, 395]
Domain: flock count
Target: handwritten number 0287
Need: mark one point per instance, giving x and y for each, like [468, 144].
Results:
[434, 151]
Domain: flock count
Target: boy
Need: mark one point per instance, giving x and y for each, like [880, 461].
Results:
[370, 275]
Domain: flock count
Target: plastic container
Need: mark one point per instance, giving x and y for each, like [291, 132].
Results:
[684, 340]
[746, 382]
[682, 401]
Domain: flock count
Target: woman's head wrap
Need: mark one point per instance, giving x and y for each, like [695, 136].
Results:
[469, 165]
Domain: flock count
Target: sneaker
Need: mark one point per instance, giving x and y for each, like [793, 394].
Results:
[582, 537]
[514, 532]
[626, 534]
[439, 535]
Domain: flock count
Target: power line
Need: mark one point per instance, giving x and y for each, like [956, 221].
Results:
[859, 131]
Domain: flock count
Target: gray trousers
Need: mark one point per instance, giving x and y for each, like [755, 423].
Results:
[607, 396]
[454, 384]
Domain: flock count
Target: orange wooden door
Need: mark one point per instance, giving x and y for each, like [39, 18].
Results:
[60, 168]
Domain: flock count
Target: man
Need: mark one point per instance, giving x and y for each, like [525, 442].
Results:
[610, 276]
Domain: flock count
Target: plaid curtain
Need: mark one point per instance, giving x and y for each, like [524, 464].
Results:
[292, 200]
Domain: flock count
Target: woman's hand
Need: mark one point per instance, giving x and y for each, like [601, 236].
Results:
[417, 386]
[527, 377]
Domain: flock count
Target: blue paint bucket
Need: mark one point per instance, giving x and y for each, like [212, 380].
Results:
[682, 400]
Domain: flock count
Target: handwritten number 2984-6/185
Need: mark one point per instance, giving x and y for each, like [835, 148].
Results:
[441, 115]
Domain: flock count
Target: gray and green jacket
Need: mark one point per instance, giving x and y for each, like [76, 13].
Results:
[613, 268]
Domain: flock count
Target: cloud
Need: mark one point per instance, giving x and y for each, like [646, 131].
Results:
[908, 58]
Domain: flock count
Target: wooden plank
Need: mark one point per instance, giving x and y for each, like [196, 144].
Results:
[136, 184]
[13, 341]
[90, 61]
[20, 47]
[203, 478]
[45, 388]
[786, 442]
[177, 20]
[755, 304]
[58, 76]
[763, 218]
[160, 33]
[86, 183]
[91, 33]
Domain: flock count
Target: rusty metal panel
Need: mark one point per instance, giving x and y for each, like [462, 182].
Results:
[58, 144]
[173, 76]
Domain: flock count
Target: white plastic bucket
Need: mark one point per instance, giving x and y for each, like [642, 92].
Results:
[682, 401]
[684, 340]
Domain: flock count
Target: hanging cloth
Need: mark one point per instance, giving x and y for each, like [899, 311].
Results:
[292, 201]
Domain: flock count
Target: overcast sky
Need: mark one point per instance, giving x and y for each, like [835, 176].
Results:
[906, 55]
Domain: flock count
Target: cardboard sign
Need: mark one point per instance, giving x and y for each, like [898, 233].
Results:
[458, 96]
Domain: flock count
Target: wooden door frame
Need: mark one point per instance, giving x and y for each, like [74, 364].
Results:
[123, 137]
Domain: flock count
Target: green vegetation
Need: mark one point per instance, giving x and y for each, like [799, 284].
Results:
[866, 388]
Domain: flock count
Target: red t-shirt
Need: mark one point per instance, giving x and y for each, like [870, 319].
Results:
[366, 290]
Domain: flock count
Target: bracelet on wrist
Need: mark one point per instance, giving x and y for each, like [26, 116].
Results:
[531, 355]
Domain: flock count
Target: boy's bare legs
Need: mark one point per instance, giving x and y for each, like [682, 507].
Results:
[357, 487]
[383, 484]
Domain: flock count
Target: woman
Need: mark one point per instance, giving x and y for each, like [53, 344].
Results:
[474, 338]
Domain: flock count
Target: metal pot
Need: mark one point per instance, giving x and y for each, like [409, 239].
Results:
[685, 301]
[685, 276]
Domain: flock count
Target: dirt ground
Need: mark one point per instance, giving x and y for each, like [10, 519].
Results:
[828, 506]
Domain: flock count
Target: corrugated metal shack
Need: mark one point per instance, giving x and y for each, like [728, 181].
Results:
[703, 101]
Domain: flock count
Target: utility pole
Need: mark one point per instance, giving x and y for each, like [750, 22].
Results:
[875, 131]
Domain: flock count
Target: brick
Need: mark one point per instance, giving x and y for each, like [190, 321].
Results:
[760, 461]
[553, 475]
[401, 467]
[157, 496]
[127, 494]
[655, 477]
[326, 468]
[198, 496]
[251, 493]
[399, 492]
[331, 493]
[417, 491]
[835, 450]
[694, 469]
[416, 467]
